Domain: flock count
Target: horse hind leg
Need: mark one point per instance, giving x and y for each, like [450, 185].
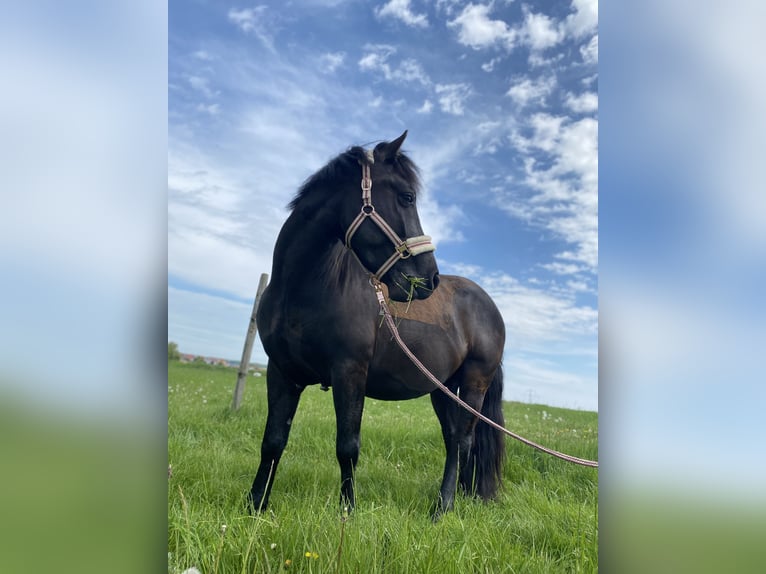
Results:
[457, 430]
[283, 398]
[474, 455]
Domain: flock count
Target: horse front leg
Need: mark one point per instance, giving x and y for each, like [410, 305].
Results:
[348, 389]
[446, 411]
[283, 399]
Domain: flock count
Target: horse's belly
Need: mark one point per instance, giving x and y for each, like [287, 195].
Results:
[390, 389]
[393, 376]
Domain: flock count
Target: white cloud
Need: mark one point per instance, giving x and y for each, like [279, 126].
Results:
[477, 30]
[489, 66]
[578, 151]
[202, 85]
[561, 197]
[438, 220]
[526, 90]
[203, 55]
[212, 109]
[225, 206]
[426, 107]
[589, 80]
[536, 318]
[547, 131]
[580, 287]
[447, 6]
[584, 19]
[377, 57]
[452, 97]
[589, 51]
[562, 268]
[331, 61]
[400, 10]
[586, 102]
[255, 21]
[247, 19]
[491, 142]
[537, 60]
[540, 32]
[410, 70]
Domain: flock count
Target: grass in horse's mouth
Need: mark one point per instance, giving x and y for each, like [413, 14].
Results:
[415, 283]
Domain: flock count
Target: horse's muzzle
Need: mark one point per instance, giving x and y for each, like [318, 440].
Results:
[425, 289]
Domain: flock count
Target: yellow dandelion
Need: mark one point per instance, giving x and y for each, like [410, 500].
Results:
[288, 562]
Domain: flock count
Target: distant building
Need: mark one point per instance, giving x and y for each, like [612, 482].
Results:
[215, 361]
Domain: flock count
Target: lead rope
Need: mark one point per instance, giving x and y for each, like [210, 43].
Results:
[395, 332]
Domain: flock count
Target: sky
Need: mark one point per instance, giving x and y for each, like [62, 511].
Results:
[501, 103]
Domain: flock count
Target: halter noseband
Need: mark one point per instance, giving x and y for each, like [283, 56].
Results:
[403, 248]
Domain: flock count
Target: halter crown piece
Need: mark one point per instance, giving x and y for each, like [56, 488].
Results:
[403, 248]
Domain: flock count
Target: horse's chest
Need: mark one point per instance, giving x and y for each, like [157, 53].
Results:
[422, 314]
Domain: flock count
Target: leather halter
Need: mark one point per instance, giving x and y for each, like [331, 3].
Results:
[403, 248]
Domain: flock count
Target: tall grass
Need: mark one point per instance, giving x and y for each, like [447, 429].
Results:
[545, 519]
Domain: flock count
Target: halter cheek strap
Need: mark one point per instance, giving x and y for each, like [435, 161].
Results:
[403, 248]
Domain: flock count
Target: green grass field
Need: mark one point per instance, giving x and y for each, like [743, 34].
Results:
[545, 519]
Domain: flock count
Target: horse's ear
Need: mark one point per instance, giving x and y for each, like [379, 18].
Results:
[387, 151]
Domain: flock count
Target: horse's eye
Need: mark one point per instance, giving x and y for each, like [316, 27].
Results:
[406, 198]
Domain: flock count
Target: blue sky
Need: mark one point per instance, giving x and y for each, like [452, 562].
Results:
[501, 103]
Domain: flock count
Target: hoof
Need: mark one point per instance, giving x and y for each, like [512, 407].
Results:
[439, 510]
[251, 507]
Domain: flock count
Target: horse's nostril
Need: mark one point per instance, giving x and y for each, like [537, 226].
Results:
[435, 281]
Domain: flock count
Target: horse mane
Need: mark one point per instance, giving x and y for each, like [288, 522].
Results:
[327, 176]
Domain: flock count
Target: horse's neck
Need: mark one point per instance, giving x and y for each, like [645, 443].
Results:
[306, 250]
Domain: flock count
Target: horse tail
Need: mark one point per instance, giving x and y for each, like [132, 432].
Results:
[488, 446]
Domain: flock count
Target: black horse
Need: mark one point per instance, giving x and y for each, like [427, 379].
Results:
[319, 322]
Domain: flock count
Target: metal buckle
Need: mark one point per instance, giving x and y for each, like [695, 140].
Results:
[403, 250]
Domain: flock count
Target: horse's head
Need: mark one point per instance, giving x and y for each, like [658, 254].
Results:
[383, 227]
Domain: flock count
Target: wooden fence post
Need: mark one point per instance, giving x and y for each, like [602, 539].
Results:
[247, 351]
